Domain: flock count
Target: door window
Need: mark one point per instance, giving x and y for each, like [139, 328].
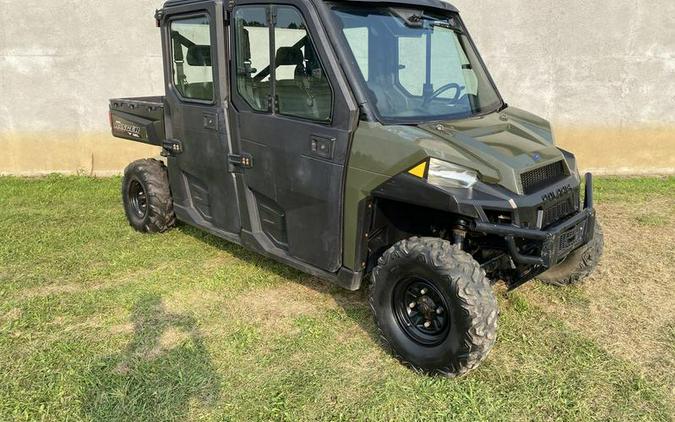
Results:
[191, 58]
[252, 56]
[301, 83]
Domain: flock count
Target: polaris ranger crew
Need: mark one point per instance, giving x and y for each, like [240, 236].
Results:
[360, 140]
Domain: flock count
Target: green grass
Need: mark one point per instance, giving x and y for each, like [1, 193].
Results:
[98, 322]
[631, 189]
[658, 220]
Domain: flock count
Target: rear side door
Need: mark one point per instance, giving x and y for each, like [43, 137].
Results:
[203, 189]
[295, 117]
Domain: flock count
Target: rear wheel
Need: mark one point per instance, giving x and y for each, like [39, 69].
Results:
[579, 264]
[147, 197]
[433, 306]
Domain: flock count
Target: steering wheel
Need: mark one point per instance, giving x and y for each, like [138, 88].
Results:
[458, 91]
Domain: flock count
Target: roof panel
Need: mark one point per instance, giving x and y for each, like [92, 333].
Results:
[436, 4]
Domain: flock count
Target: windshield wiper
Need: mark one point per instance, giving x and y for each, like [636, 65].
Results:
[444, 24]
[435, 22]
[415, 19]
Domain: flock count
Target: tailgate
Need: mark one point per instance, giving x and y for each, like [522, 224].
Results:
[138, 119]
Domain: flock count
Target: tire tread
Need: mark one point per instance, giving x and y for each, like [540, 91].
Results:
[153, 173]
[579, 265]
[462, 273]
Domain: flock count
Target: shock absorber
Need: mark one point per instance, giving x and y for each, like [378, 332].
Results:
[459, 231]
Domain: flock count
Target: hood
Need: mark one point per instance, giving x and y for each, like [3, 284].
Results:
[500, 146]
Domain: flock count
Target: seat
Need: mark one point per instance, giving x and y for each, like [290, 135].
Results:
[294, 97]
[291, 56]
[199, 90]
[318, 86]
[389, 99]
[199, 56]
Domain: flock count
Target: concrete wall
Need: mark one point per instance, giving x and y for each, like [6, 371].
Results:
[602, 71]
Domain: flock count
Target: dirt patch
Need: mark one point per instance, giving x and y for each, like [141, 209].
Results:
[194, 301]
[221, 260]
[629, 303]
[54, 289]
[12, 315]
[122, 368]
[170, 339]
[118, 329]
[76, 288]
[276, 308]
[95, 327]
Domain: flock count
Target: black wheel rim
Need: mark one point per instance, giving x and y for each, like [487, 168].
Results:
[138, 199]
[421, 311]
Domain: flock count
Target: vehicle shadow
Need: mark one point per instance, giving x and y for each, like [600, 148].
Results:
[163, 369]
[355, 304]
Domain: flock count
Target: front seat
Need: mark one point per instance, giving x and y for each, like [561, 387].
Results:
[294, 97]
[199, 56]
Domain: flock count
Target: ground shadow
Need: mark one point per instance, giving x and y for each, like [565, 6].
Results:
[355, 304]
[164, 369]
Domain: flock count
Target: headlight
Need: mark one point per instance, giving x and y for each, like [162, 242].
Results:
[447, 175]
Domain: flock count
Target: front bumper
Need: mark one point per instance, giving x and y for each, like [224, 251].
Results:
[557, 242]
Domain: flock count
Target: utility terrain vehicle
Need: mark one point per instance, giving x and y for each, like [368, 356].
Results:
[355, 139]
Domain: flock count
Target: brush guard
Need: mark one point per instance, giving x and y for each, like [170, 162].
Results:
[556, 242]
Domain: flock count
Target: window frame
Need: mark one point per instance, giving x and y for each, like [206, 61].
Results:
[328, 121]
[172, 62]
[309, 27]
[234, 48]
[360, 87]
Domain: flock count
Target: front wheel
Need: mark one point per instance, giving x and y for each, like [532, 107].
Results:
[434, 306]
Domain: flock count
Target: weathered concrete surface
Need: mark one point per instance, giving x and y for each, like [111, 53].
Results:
[59, 63]
[602, 71]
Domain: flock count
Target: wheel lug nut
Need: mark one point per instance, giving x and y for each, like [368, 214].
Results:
[412, 305]
[423, 292]
[439, 311]
[427, 324]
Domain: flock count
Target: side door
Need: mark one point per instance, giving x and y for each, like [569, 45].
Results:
[294, 116]
[204, 190]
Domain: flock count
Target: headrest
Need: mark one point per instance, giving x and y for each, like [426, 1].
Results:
[245, 43]
[287, 56]
[199, 55]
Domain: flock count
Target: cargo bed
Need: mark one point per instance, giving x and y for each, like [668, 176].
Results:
[139, 119]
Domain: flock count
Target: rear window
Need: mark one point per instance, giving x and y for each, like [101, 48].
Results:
[191, 58]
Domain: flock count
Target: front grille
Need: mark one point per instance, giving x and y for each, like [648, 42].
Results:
[541, 177]
[570, 238]
[557, 211]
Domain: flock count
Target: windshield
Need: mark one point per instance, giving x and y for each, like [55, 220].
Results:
[417, 66]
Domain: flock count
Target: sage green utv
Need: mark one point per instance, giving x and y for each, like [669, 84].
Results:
[360, 141]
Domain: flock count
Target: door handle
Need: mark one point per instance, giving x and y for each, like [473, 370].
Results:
[323, 147]
[210, 121]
